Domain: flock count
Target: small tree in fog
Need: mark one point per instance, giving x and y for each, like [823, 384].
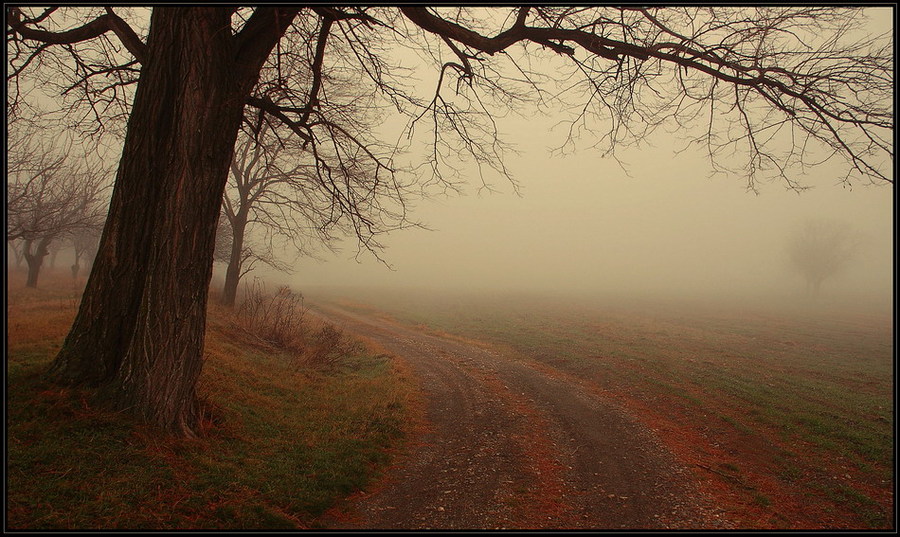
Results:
[820, 250]
[276, 196]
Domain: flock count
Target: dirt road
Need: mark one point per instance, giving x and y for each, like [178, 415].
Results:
[511, 444]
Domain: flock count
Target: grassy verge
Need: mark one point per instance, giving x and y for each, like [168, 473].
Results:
[292, 439]
[800, 401]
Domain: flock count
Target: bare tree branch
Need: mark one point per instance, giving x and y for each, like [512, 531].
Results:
[128, 36]
[89, 31]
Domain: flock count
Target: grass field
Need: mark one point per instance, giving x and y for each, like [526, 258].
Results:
[786, 416]
[290, 439]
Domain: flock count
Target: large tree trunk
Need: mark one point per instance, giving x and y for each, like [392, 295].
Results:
[139, 330]
[35, 260]
[233, 272]
[90, 255]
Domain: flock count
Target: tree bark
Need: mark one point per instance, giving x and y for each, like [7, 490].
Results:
[233, 272]
[35, 260]
[138, 334]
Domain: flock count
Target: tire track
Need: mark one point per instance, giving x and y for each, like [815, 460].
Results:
[510, 446]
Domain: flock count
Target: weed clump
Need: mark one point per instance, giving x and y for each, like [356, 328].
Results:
[280, 321]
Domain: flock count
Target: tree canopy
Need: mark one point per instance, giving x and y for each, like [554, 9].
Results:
[767, 82]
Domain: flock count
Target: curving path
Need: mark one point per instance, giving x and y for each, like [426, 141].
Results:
[511, 444]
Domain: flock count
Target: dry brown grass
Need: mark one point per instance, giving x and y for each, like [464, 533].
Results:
[287, 443]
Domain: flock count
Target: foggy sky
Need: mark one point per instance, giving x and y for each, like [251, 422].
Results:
[582, 224]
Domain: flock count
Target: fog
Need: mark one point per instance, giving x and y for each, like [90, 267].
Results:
[657, 224]
[582, 224]
[648, 222]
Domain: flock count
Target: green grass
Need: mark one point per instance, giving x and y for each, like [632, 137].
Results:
[292, 441]
[865, 507]
[761, 500]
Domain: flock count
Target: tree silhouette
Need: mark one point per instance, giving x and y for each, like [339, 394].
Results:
[275, 191]
[822, 249]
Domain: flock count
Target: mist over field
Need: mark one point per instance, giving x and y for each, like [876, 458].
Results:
[651, 220]
[666, 229]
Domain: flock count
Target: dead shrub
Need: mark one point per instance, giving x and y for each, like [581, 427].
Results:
[328, 346]
[276, 319]
[279, 322]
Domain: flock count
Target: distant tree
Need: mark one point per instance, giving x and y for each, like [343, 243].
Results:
[752, 77]
[263, 190]
[16, 247]
[84, 243]
[34, 251]
[48, 198]
[822, 249]
[274, 189]
[54, 249]
[32, 168]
